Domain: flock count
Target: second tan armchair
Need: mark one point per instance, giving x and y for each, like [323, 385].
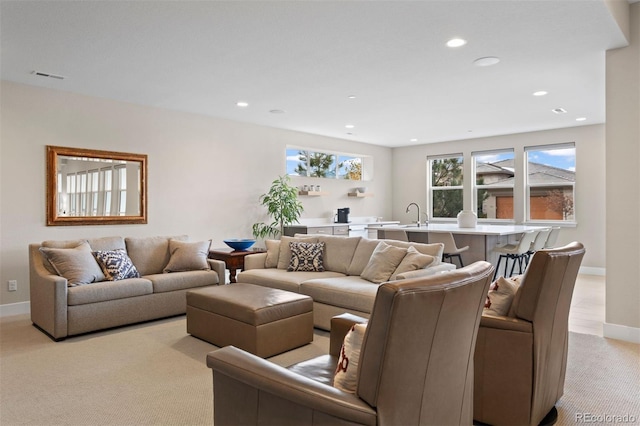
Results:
[416, 363]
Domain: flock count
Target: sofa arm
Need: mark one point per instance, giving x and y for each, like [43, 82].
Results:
[428, 271]
[340, 326]
[240, 378]
[506, 323]
[47, 297]
[220, 267]
[255, 261]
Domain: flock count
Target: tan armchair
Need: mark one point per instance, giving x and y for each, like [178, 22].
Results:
[521, 359]
[416, 363]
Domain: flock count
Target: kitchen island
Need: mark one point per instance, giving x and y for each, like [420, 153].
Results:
[481, 240]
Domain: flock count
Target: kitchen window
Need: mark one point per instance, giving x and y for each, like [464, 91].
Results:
[329, 165]
[550, 183]
[445, 185]
[493, 191]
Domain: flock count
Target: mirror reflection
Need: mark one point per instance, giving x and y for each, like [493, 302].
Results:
[90, 186]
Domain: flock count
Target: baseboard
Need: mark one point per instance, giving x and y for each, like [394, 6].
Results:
[621, 332]
[588, 270]
[14, 309]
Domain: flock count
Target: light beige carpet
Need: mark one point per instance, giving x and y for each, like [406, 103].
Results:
[155, 374]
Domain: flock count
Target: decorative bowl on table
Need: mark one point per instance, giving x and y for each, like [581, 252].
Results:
[240, 244]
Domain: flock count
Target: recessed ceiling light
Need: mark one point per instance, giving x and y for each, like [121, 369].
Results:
[351, 96]
[242, 104]
[277, 111]
[581, 119]
[413, 140]
[349, 126]
[487, 61]
[539, 93]
[456, 42]
[559, 110]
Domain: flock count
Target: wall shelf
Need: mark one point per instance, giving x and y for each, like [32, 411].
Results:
[360, 194]
[312, 193]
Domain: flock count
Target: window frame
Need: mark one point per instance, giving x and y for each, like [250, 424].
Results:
[475, 187]
[335, 173]
[430, 186]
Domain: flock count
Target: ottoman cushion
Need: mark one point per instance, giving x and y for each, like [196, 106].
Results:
[261, 320]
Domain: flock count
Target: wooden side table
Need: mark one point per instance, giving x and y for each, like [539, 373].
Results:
[233, 259]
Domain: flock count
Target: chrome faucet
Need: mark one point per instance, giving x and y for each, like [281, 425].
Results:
[418, 207]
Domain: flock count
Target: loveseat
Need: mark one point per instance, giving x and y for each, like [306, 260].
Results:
[349, 274]
[78, 286]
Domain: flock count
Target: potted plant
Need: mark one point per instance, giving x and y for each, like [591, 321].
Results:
[282, 205]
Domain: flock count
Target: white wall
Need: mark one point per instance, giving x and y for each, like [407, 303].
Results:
[410, 174]
[623, 187]
[205, 174]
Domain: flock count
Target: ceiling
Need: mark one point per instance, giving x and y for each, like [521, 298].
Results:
[297, 63]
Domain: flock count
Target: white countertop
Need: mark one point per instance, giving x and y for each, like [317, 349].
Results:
[455, 229]
[354, 220]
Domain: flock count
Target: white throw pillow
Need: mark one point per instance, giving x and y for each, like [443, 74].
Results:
[76, 264]
[412, 261]
[273, 252]
[346, 375]
[188, 256]
[501, 294]
[384, 260]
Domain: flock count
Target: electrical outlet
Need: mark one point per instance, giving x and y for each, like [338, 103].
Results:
[13, 285]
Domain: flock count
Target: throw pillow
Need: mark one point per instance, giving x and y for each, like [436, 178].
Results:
[187, 256]
[384, 260]
[346, 375]
[116, 264]
[76, 264]
[501, 296]
[284, 256]
[273, 252]
[306, 257]
[412, 261]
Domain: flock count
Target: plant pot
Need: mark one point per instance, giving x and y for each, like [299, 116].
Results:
[467, 219]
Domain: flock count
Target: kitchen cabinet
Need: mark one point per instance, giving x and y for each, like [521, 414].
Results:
[330, 229]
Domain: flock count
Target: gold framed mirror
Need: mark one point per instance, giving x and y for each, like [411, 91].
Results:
[93, 187]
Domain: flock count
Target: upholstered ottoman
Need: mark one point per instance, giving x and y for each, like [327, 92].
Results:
[261, 320]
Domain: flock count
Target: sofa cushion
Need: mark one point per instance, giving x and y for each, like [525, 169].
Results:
[281, 279]
[115, 264]
[346, 376]
[76, 264]
[150, 254]
[284, 256]
[108, 290]
[347, 292]
[107, 243]
[433, 249]
[338, 252]
[273, 252]
[384, 260]
[306, 257]
[412, 261]
[187, 256]
[163, 283]
[361, 256]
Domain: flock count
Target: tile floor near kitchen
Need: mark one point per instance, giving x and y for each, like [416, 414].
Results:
[587, 305]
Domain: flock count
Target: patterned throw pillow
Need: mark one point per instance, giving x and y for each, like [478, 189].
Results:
[306, 257]
[500, 296]
[346, 375]
[116, 264]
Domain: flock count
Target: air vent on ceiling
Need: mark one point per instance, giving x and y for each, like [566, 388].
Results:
[46, 74]
[559, 110]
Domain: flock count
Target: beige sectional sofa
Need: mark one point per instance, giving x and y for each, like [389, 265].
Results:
[80, 286]
[349, 265]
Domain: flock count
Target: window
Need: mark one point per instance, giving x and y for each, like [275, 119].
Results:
[303, 162]
[551, 182]
[495, 171]
[445, 185]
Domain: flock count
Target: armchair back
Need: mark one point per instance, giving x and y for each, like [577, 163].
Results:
[416, 364]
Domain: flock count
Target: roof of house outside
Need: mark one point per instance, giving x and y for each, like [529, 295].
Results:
[538, 173]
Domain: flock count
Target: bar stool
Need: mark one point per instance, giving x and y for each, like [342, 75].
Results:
[539, 242]
[552, 238]
[450, 248]
[516, 252]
